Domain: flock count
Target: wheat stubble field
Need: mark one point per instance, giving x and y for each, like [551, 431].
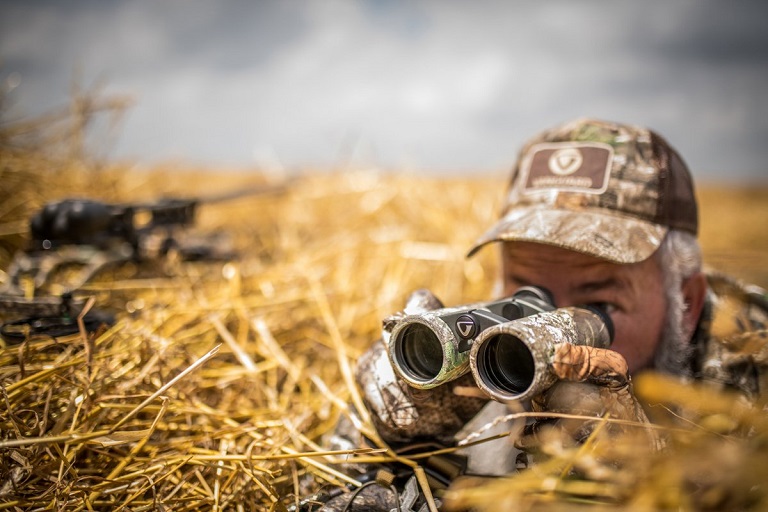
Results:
[217, 383]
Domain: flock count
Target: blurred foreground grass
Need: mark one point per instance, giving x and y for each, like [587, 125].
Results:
[150, 415]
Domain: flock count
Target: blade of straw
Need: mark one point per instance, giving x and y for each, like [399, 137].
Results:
[232, 343]
[167, 386]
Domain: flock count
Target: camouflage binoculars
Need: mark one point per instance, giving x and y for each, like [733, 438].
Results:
[507, 344]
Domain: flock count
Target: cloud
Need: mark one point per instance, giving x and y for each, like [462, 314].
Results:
[430, 84]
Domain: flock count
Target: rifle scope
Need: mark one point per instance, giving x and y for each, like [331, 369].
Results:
[432, 347]
[512, 361]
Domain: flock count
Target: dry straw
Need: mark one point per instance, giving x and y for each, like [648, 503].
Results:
[215, 387]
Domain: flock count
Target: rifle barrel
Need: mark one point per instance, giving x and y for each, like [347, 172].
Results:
[254, 190]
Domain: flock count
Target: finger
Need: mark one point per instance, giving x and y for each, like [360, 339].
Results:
[599, 366]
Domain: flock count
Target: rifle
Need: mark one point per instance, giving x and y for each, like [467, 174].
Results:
[507, 344]
[95, 235]
[91, 235]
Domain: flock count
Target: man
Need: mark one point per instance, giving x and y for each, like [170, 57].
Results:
[597, 213]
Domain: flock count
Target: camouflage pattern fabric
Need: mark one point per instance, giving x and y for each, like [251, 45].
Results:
[372, 498]
[403, 414]
[606, 189]
[593, 382]
[732, 339]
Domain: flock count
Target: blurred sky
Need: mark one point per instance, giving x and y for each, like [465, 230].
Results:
[441, 85]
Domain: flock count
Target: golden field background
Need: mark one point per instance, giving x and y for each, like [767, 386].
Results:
[217, 383]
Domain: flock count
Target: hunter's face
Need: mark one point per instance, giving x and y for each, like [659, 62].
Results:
[633, 294]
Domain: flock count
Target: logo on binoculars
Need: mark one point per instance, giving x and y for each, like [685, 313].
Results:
[466, 326]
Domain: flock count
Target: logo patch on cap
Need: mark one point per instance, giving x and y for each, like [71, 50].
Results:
[568, 166]
[565, 161]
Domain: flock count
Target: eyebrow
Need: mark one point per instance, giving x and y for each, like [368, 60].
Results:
[603, 284]
[517, 280]
[588, 287]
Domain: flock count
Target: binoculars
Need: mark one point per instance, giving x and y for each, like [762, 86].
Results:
[507, 344]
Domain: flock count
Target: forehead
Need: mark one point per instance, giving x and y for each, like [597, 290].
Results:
[531, 253]
[540, 262]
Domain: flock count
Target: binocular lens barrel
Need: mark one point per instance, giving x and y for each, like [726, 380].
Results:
[420, 352]
[506, 363]
[511, 361]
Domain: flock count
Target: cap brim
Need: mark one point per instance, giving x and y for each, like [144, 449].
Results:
[617, 238]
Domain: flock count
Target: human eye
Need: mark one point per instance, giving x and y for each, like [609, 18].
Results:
[608, 307]
[512, 283]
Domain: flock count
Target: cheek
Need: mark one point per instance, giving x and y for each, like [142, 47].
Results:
[638, 334]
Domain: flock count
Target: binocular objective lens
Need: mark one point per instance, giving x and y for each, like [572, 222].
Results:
[420, 352]
[507, 364]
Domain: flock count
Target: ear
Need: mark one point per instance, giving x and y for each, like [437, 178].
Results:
[694, 292]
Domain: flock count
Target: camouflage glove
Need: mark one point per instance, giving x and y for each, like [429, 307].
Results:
[403, 414]
[593, 382]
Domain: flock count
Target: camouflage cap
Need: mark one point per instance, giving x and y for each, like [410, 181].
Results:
[605, 189]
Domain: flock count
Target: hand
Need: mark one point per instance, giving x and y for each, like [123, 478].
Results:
[401, 413]
[593, 382]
